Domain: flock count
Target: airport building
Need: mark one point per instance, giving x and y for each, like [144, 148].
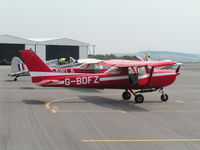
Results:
[47, 49]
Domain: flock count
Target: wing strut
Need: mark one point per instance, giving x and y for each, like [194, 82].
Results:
[178, 68]
[151, 74]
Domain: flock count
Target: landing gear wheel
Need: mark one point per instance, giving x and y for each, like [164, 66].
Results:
[15, 79]
[126, 95]
[164, 97]
[139, 98]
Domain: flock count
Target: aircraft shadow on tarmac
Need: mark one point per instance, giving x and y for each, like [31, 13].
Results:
[112, 103]
[34, 102]
[27, 88]
[10, 81]
[91, 90]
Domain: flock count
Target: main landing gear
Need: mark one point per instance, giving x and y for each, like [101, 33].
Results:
[126, 95]
[139, 98]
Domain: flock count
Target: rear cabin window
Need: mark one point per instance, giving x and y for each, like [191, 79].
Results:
[114, 70]
[93, 66]
[88, 66]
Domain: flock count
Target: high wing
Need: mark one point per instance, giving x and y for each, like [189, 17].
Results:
[130, 63]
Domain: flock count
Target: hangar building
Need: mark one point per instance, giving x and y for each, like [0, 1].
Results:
[47, 49]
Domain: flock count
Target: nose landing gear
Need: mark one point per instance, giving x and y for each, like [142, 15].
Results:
[164, 97]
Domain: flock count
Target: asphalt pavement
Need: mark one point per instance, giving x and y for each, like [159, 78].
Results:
[37, 118]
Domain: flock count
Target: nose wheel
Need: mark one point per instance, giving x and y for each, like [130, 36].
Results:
[164, 97]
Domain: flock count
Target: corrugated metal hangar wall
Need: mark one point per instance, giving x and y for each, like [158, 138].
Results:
[46, 49]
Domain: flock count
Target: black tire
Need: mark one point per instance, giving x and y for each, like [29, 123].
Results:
[164, 97]
[126, 95]
[139, 98]
[15, 79]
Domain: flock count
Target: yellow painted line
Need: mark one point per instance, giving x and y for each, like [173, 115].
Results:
[99, 111]
[48, 104]
[180, 110]
[179, 101]
[55, 109]
[145, 140]
[122, 111]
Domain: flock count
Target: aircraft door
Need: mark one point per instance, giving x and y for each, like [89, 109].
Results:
[142, 75]
[133, 75]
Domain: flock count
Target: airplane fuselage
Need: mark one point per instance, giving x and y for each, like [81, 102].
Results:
[160, 78]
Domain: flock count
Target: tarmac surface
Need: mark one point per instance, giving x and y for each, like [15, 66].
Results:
[37, 118]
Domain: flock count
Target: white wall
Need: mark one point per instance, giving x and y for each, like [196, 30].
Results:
[41, 51]
[83, 52]
[28, 46]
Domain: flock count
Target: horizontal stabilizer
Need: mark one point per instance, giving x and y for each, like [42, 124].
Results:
[21, 73]
[46, 82]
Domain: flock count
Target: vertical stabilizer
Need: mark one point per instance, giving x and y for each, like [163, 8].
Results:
[17, 65]
[37, 68]
[33, 62]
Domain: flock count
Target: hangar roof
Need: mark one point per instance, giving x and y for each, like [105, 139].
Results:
[64, 41]
[15, 40]
[45, 41]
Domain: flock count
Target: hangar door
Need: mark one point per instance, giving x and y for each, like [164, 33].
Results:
[8, 51]
[57, 51]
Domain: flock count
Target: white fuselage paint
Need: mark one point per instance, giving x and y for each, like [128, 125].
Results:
[87, 80]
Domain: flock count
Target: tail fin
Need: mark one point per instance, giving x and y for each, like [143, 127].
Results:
[37, 68]
[17, 65]
[33, 62]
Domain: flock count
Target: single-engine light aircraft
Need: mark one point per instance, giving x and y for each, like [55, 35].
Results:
[132, 76]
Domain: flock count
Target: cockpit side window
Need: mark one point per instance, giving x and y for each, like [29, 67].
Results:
[132, 70]
[141, 70]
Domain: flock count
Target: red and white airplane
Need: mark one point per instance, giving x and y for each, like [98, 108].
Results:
[141, 76]
[19, 69]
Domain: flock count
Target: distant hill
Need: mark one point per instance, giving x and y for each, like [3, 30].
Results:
[155, 55]
[165, 55]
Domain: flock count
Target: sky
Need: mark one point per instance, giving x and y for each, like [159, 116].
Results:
[114, 26]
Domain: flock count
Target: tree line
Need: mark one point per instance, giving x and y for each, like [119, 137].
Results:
[111, 56]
